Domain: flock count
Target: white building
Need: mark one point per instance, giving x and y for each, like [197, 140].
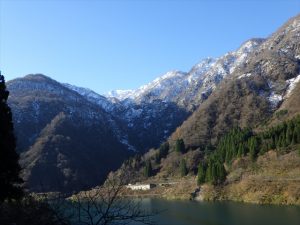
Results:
[140, 186]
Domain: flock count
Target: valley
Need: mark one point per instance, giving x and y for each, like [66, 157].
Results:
[172, 124]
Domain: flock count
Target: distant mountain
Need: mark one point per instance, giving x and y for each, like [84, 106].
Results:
[66, 142]
[262, 94]
[119, 125]
[252, 93]
[85, 135]
[190, 89]
[153, 111]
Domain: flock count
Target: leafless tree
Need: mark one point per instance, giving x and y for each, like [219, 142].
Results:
[105, 205]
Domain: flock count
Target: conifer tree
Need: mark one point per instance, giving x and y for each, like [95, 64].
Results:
[201, 174]
[241, 150]
[183, 168]
[294, 138]
[208, 176]
[289, 134]
[297, 133]
[148, 169]
[253, 145]
[221, 173]
[179, 146]
[9, 166]
[163, 150]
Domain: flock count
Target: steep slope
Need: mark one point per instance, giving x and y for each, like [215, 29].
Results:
[145, 124]
[70, 160]
[261, 95]
[59, 124]
[242, 88]
[90, 95]
[192, 87]
[152, 112]
[252, 93]
[273, 179]
[290, 106]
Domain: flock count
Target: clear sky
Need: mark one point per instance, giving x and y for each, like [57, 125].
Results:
[119, 44]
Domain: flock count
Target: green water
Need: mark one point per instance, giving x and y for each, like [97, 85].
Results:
[220, 213]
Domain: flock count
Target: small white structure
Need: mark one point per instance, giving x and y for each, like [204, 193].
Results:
[143, 187]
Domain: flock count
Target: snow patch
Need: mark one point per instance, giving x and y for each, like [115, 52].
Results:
[292, 84]
[120, 94]
[275, 99]
[92, 96]
[244, 75]
[125, 142]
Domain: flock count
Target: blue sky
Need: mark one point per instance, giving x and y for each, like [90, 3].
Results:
[119, 44]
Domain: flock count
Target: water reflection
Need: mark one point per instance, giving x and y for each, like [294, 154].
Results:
[220, 213]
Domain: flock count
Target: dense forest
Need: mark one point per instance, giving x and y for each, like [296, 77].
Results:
[212, 159]
[241, 142]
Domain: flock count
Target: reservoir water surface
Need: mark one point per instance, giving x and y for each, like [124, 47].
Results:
[220, 213]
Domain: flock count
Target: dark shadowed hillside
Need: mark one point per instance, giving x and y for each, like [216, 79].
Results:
[71, 156]
[67, 143]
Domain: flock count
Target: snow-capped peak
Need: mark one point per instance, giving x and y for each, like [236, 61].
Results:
[249, 45]
[92, 96]
[82, 91]
[120, 94]
[181, 87]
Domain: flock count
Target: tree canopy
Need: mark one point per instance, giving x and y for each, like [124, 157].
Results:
[9, 166]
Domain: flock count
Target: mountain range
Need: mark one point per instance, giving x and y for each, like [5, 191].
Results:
[70, 137]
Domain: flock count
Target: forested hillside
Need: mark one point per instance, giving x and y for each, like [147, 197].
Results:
[252, 93]
[252, 114]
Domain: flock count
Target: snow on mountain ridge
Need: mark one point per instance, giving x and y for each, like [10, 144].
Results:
[204, 76]
[159, 85]
[119, 94]
[91, 96]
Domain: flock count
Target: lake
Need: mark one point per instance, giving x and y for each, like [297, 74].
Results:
[220, 213]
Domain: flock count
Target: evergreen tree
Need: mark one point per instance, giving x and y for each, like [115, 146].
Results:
[9, 166]
[221, 173]
[183, 168]
[208, 176]
[164, 150]
[179, 146]
[253, 147]
[148, 169]
[157, 157]
[297, 133]
[241, 151]
[201, 174]
[289, 133]
[239, 142]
